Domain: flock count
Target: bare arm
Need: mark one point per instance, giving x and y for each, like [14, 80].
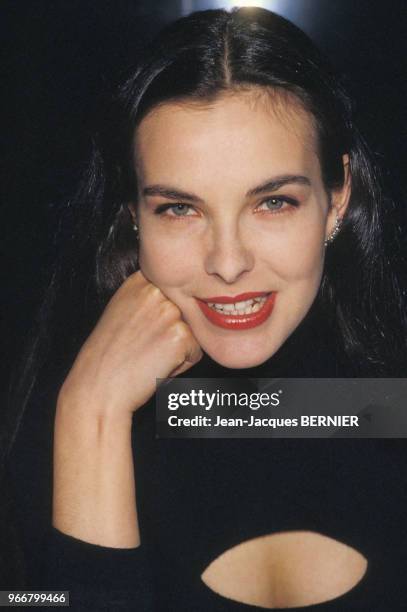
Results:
[140, 337]
[94, 488]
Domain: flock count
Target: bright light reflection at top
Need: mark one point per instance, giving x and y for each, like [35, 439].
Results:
[281, 7]
[272, 5]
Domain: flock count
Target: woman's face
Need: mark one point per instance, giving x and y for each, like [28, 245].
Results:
[231, 201]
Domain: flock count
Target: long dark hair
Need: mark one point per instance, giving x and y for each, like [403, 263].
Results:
[201, 56]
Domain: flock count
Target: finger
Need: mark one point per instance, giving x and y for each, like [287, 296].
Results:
[193, 356]
[181, 369]
[194, 353]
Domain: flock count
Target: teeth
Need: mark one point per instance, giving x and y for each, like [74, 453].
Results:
[240, 308]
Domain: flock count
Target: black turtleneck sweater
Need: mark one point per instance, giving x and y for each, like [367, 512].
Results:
[200, 497]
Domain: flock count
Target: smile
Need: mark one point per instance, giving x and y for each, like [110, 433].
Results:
[243, 311]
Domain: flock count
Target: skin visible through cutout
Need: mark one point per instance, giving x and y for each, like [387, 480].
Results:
[285, 570]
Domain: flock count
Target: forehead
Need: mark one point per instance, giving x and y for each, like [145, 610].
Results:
[238, 136]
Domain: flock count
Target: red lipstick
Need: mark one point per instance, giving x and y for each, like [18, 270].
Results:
[242, 321]
[224, 299]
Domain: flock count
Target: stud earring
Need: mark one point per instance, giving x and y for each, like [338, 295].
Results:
[335, 231]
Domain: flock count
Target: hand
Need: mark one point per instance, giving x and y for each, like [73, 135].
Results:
[139, 337]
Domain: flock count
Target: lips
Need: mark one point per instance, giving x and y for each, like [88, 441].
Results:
[227, 320]
[224, 299]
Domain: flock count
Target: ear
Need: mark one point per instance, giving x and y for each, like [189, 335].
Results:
[340, 197]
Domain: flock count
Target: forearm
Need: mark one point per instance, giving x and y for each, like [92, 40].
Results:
[94, 487]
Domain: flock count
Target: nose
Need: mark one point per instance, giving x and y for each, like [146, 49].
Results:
[228, 254]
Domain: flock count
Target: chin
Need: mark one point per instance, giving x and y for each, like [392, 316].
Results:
[243, 351]
[240, 358]
[239, 362]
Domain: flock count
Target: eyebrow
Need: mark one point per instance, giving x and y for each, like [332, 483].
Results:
[170, 193]
[279, 181]
[271, 184]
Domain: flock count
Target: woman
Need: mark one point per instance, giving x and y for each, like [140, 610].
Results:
[230, 222]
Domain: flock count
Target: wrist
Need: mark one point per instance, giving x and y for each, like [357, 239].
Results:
[82, 407]
[80, 417]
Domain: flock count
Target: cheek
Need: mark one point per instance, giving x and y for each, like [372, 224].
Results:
[294, 255]
[168, 262]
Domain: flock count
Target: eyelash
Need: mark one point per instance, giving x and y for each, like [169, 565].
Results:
[293, 203]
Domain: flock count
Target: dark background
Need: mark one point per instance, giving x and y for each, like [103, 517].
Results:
[61, 56]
